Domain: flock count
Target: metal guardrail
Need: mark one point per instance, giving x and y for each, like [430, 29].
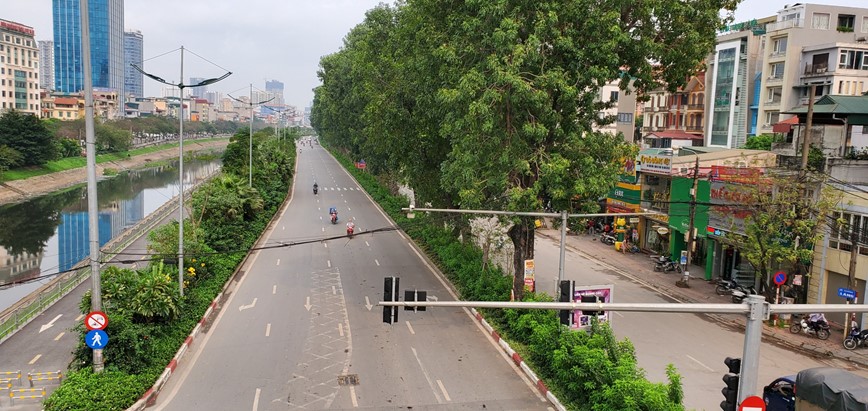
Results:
[19, 315]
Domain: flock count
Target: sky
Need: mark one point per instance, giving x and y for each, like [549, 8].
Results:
[257, 40]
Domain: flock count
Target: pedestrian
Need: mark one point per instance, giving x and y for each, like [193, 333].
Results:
[634, 237]
[590, 226]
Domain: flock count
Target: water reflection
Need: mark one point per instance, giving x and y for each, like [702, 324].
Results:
[50, 233]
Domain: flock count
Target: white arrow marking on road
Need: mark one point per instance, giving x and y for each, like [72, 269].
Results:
[432, 298]
[251, 305]
[50, 323]
[307, 303]
[368, 303]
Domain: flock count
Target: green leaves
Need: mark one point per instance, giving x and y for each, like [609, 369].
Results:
[26, 140]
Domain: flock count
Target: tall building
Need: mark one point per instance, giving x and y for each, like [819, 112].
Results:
[200, 91]
[46, 64]
[275, 88]
[106, 45]
[133, 51]
[19, 68]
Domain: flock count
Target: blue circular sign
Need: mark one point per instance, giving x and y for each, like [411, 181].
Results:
[780, 277]
[96, 339]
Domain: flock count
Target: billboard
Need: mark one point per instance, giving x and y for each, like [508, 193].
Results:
[591, 293]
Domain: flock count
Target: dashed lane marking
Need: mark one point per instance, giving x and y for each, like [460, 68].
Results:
[59, 336]
[411, 328]
[268, 329]
[700, 363]
[256, 399]
[274, 289]
[366, 243]
[278, 261]
[377, 261]
[442, 388]
[80, 316]
[36, 358]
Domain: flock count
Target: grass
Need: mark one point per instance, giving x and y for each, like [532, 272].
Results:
[71, 163]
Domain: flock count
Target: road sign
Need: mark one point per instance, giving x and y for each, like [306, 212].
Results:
[846, 293]
[780, 278]
[752, 403]
[96, 339]
[96, 320]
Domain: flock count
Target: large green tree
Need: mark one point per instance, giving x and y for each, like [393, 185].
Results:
[27, 135]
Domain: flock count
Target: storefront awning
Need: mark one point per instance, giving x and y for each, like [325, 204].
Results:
[786, 125]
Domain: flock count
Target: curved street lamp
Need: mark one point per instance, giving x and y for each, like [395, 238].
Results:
[250, 145]
[181, 86]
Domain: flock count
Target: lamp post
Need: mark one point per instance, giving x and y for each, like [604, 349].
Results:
[250, 145]
[693, 188]
[181, 86]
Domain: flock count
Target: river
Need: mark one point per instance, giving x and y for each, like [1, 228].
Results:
[49, 234]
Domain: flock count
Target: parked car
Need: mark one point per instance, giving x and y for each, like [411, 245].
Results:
[780, 395]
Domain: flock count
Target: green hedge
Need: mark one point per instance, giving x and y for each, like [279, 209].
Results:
[139, 352]
[586, 371]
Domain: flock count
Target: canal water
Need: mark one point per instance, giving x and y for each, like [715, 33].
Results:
[50, 234]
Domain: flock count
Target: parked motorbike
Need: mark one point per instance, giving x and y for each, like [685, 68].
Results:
[315, 190]
[815, 324]
[856, 338]
[607, 239]
[740, 292]
[725, 287]
[665, 264]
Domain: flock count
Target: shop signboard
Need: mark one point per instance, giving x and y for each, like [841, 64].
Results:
[654, 163]
[624, 197]
[727, 211]
[591, 293]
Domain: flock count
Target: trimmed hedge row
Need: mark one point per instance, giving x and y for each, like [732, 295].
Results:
[586, 371]
[138, 352]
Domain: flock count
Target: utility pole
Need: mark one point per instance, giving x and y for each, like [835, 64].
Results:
[92, 204]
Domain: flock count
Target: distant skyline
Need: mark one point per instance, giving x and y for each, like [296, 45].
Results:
[257, 40]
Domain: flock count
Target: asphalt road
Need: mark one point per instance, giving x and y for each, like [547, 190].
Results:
[695, 344]
[300, 330]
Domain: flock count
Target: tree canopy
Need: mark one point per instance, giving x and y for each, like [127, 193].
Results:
[26, 135]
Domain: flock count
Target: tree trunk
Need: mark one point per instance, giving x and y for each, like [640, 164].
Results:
[522, 235]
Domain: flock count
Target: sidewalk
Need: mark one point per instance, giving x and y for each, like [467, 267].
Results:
[640, 267]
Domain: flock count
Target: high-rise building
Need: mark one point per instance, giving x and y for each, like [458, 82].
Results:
[106, 45]
[198, 91]
[46, 64]
[275, 88]
[19, 60]
[133, 50]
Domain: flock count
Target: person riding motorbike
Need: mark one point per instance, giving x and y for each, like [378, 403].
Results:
[315, 187]
[333, 214]
[351, 226]
[816, 319]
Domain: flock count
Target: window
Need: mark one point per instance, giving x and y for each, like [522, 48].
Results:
[779, 45]
[864, 27]
[774, 95]
[613, 96]
[846, 226]
[776, 71]
[853, 59]
[846, 22]
[820, 21]
[772, 117]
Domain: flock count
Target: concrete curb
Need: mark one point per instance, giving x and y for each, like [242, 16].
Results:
[768, 335]
[516, 358]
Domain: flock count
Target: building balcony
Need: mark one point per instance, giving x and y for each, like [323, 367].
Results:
[773, 103]
[692, 107]
[816, 69]
[775, 80]
[783, 25]
[693, 128]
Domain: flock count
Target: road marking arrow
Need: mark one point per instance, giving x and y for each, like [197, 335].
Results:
[307, 303]
[432, 298]
[251, 305]
[50, 323]
[368, 303]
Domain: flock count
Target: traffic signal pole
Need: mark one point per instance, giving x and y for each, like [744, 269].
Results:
[753, 332]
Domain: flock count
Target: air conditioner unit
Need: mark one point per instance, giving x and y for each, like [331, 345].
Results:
[863, 38]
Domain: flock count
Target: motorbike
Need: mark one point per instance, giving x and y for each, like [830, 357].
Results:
[815, 325]
[740, 292]
[315, 189]
[725, 287]
[334, 217]
[350, 230]
[608, 239]
[856, 338]
[664, 264]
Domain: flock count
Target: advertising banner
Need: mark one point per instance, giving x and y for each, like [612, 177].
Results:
[655, 163]
[591, 293]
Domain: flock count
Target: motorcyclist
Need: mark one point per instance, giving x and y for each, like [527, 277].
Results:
[816, 319]
[315, 187]
[333, 214]
[351, 226]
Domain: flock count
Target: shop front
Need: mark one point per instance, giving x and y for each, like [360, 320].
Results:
[655, 169]
[679, 221]
[726, 217]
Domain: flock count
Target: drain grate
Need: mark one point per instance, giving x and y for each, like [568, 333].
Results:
[349, 379]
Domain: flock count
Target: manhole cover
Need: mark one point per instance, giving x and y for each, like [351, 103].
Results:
[349, 379]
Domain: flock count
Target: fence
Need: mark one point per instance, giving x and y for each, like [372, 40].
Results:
[44, 376]
[17, 316]
[26, 394]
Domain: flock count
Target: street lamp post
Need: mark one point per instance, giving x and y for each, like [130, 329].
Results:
[181, 86]
[693, 188]
[250, 141]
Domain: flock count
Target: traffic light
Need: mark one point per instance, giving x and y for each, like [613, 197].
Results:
[390, 293]
[730, 391]
[565, 296]
[590, 299]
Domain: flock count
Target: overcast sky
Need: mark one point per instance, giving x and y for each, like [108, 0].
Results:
[257, 40]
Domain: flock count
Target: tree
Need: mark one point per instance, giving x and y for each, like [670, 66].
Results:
[760, 142]
[27, 135]
[9, 158]
[110, 139]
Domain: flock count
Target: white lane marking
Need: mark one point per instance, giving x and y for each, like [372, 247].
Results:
[442, 388]
[411, 328]
[320, 217]
[334, 290]
[80, 316]
[256, 400]
[377, 261]
[330, 263]
[341, 329]
[278, 261]
[366, 243]
[244, 307]
[307, 303]
[402, 235]
[36, 358]
[61, 335]
[143, 257]
[368, 304]
[427, 377]
[353, 396]
[349, 209]
[619, 314]
[274, 289]
[326, 245]
[268, 329]
[283, 228]
[323, 229]
[345, 201]
[699, 362]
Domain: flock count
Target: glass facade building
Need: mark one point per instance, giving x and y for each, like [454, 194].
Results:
[729, 104]
[106, 43]
[133, 51]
